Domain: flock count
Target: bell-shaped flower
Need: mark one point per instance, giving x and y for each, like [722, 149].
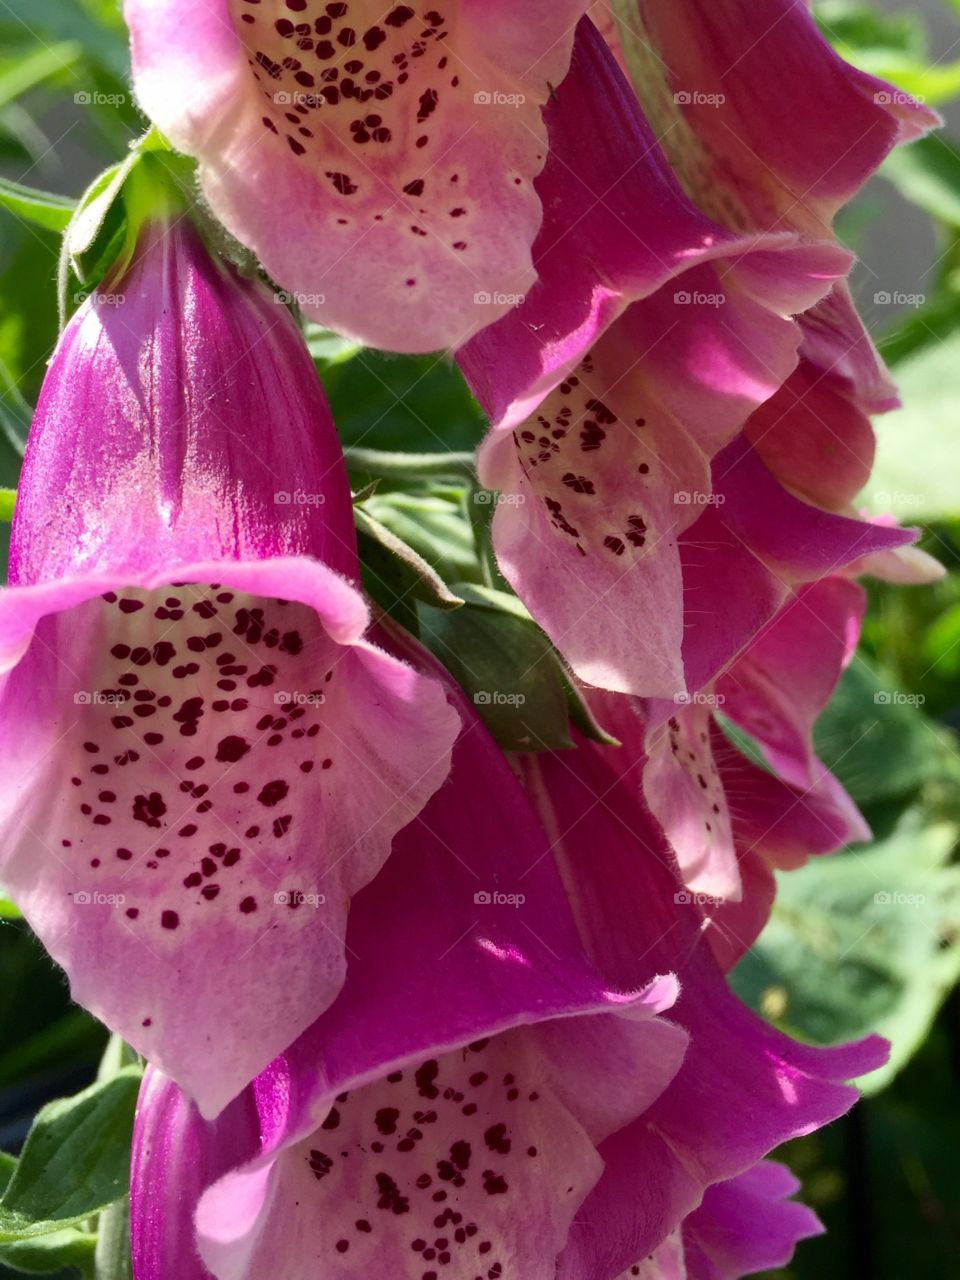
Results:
[718, 808]
[378, 158]
[767, 124]
[650, 338]
[742, 1089]
[204, 758]
[447, 1121]
[769, 129]
[568, 1140]
[745, 1225]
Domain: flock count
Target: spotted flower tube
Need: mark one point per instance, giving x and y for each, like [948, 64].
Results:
[378, 158]
[710, 800]
[742, 1087]
[651, 337]
[446, 1122]
[576, 1138]
[206, 756]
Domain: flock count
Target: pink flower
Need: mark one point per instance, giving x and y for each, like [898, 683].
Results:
[622, 383]
[769, 130]
[446, 1119]
[742, 1089]
[578, 1134]
[378, 158]
[205, 757]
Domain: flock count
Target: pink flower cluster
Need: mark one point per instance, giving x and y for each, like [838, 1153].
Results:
[412, 1008]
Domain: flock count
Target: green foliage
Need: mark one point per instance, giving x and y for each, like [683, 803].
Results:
[836, 960]
[75, 1160]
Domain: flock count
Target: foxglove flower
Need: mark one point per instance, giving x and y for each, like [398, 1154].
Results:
[199, 738]
[562, 1144]
[742, 1089]
[651, 337]
[768, 126]
[769, 129]
[729, 819]
[444, 1122]
[744, 1226]
[378, 158]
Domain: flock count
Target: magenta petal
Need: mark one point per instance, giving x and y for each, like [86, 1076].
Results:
[181, 420]
[814, 438]
[789, 672]
[176, 1156]
[469, 1069]
[725, 81]
[203, 776]
[650, 338]
[747, 1225]
[743, 1088]
[379, 160]
[798, 540]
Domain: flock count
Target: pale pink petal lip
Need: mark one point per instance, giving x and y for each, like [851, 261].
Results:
[379, 163]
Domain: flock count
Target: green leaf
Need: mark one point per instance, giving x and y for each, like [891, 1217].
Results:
[394, 573]
[505, 665]
[75, 1160]
[113, 1260]
[861, 942]
[433, 524]
[915, 471]
[35, 67]
[927, 172]
[379, 465]
[41, 207]
[404, 404]
[876, 739]
[8, 498]
[50, 1254]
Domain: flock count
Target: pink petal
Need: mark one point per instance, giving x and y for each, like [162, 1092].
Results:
[240, 761]
[742, 1089]
[788, 674]
[814, 439]
[378, 159]
[798, 541]
[618, 379]
[747, 1225]
[181, 420]
[488, 1003]
[725, 81]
